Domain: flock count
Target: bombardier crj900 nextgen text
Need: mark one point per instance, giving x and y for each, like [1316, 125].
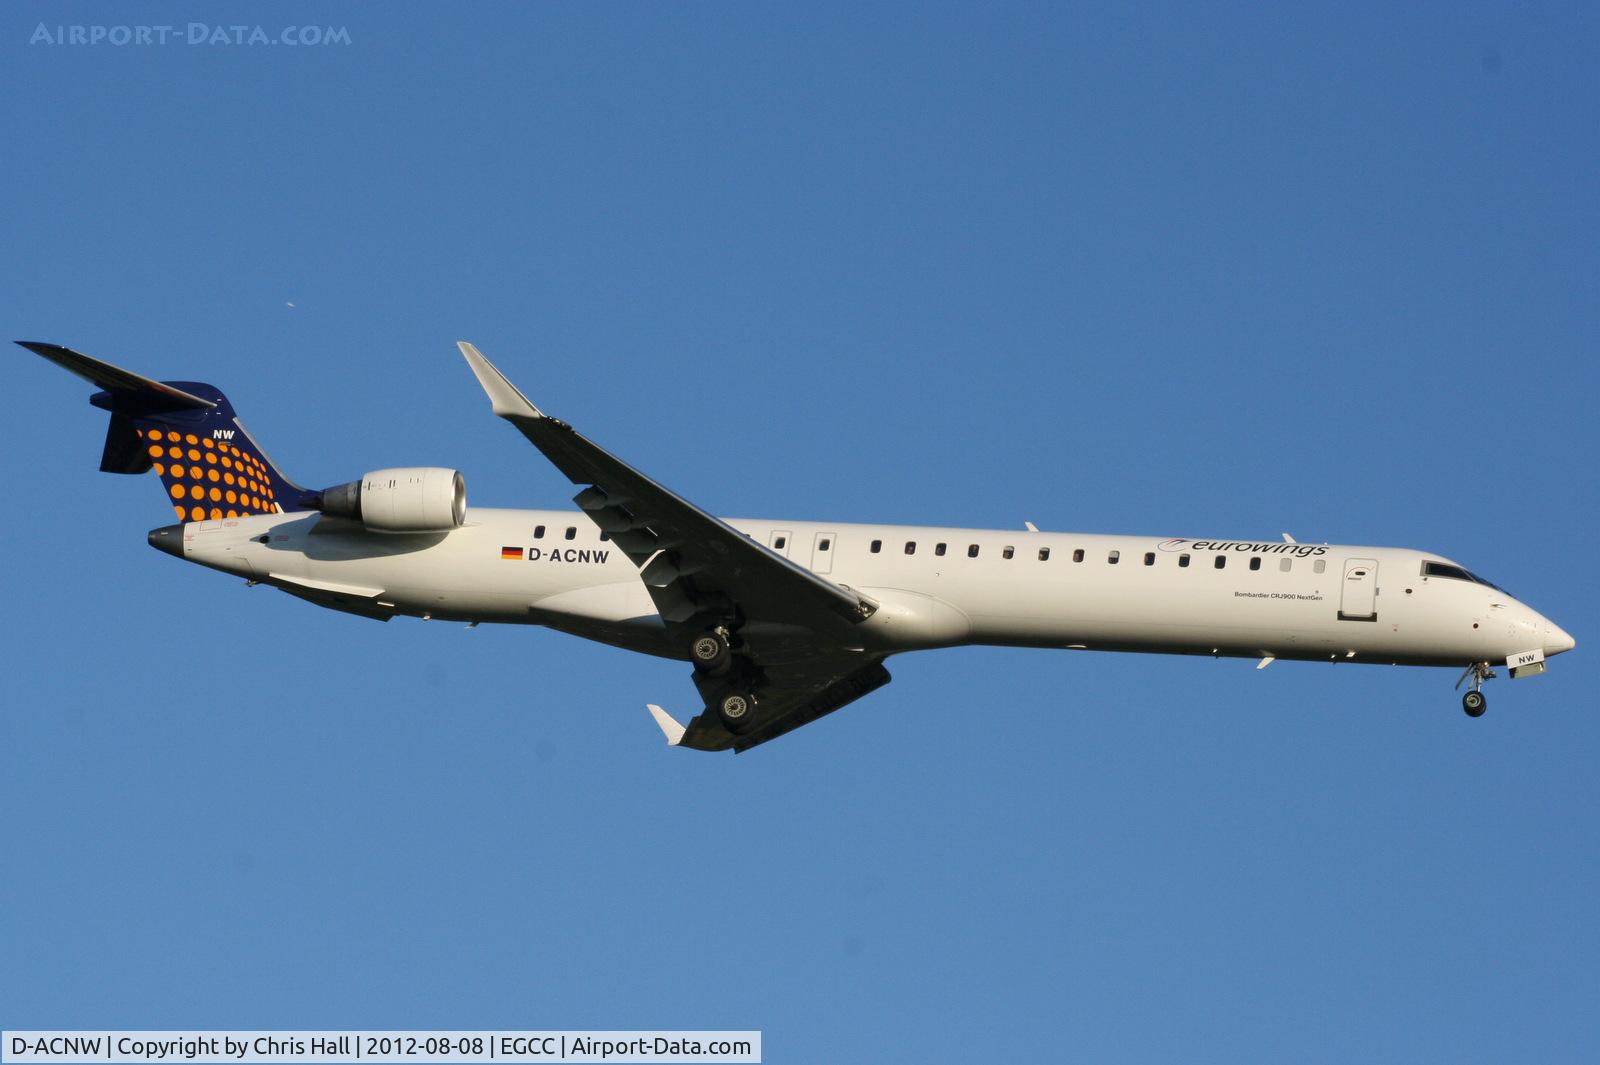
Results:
[784, 621]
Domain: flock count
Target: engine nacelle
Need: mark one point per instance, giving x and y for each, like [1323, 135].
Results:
[407, 500]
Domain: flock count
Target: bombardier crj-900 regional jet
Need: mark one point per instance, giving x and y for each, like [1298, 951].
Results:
[784, 621]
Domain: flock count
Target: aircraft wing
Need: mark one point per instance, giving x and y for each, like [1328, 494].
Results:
[796, 627]
[693, 563]
[796, 696]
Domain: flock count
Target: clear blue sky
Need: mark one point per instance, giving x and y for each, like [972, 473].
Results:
[1151, 269]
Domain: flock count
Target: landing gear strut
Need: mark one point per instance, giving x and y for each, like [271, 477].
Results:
[1473, 701]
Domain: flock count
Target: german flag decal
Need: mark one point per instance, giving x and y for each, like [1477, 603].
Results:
[511, 552]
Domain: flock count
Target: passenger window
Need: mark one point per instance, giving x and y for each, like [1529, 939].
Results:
[1255, 563]
[538, 532]
[1044, 554]
[1077, 556]
[604, 537]
[1009, 552]
[938, 549]
[779, 542]
[1222, 560]
[823, 545]
[1113, 557]
[572, 532]
[1319, 565]
[1183, 561]
[911, 547]
[972, 551]
[1285, 565]
[877, 545]
[1149, 558]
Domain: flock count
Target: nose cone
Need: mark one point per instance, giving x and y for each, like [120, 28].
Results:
[1556, 639]
[168, 538]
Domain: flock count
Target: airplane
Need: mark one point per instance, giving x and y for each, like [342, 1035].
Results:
[783, 621]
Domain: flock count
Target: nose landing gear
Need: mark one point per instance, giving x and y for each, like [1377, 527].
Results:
[1473, 701]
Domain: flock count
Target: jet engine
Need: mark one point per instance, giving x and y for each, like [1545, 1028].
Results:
[407, 500]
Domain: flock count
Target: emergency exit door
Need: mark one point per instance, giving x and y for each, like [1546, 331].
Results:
[1358, 598]
[822, 549]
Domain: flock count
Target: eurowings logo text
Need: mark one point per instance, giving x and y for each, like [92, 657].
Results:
[1297, 550]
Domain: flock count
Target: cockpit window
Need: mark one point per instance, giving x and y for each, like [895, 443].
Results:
[1455, 573]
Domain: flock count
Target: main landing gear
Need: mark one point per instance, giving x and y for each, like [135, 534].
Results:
[1473, 701]
[735, 708]
[711, 652]
[713, 657]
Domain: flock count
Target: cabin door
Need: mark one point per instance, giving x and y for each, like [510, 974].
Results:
[1358, 599]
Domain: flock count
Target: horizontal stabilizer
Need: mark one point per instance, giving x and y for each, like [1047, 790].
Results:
[209, 466]
[115, 378]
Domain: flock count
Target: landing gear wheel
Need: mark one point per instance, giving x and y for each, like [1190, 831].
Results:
[735, 710]
[711, 653]
[1474, 704]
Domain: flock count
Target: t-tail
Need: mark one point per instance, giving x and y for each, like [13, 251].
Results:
[186, 431]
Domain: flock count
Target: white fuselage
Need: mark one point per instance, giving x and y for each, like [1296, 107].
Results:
[1036, 589]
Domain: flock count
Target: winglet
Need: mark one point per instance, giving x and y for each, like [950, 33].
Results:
[1288, 539]
[669, 726]
[503, 395]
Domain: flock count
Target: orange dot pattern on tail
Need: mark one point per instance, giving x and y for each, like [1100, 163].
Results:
[196, 484]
